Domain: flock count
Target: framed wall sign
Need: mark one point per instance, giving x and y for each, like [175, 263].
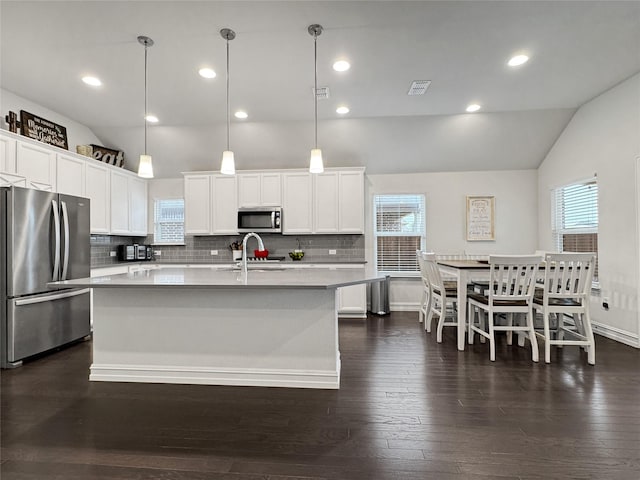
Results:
[43, 130]
[480, 218]
[107, 155]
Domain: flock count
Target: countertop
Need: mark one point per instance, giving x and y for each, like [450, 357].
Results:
[216, 277]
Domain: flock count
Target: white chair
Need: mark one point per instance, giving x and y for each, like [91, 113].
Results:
[511, 288]
[425, 300]
[443, 297]
[566, 291]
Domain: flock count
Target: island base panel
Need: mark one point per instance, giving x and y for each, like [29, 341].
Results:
[260, 337]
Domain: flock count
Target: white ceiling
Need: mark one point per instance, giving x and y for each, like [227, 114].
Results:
[578, 50]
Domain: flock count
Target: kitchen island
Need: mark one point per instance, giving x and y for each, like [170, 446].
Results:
[272, 327]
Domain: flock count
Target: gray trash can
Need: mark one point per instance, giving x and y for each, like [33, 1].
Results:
[380, 296]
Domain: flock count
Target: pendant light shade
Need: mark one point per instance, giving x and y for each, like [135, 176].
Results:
[145, 166]
[315, 162]
[228, 166]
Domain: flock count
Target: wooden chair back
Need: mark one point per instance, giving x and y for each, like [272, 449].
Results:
[512, 277]
[568, 276]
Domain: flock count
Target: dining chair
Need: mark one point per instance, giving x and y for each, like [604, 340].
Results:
[511, 288]
[425, 299]
[443, 297]
[565, 294]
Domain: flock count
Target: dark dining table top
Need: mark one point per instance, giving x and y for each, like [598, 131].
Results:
[465, 264]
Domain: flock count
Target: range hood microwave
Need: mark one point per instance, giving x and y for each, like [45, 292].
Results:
[260, 219]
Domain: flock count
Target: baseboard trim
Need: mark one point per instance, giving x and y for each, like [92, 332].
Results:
[216, 376]
[616, 334]
[405, 307]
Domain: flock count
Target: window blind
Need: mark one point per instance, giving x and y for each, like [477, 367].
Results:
[169, 221]
[575, 218]
[400, 231]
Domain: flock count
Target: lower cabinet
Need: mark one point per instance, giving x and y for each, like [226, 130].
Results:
[352, 301]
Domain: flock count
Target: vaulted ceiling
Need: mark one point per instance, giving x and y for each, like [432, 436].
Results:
[577, 49]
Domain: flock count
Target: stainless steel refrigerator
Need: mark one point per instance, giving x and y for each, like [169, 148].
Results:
[44, 237]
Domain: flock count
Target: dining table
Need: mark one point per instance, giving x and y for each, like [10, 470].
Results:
[464, 271]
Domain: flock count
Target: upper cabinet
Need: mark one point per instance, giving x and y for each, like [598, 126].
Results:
[37, 164]
[119, 188]
[327, 203]
[98, 190]
[137, 206]
[7, 155]
[259, 189]
[70, 175]
[297, 203]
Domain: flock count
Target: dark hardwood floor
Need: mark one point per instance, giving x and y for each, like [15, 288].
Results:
[408, 409]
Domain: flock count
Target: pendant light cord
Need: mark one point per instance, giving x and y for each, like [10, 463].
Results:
[315, 85]
[228, 118]
[145, 99]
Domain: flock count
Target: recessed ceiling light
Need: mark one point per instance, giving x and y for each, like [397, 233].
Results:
[207, 73]
[341, 66]
[151, 118]
[342, 110]
[474, 107]
[241, 114]
[518, 60]
[93, 81]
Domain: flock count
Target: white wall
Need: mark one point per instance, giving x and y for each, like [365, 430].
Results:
[603, 138]
[77, 134]
[516, 232]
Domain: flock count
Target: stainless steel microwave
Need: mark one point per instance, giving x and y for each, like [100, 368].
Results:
[260, 219]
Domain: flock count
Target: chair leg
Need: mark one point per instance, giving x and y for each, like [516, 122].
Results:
[423, 306]
[509, 332]
[429, 317]
[532, 336]
[591, 353]
[443, 317]
[483, 318]
[547, 337]
[470, 323]
[492, 336]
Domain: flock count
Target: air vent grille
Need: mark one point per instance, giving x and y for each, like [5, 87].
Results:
[322, 92]
[418, 87]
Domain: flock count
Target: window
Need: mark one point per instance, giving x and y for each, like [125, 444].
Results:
[399, 230]
[575, 218]
[169, 221]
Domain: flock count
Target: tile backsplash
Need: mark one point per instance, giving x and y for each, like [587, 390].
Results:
[348, 248]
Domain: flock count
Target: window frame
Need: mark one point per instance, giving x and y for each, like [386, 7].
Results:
[155, 222]
[376, 234]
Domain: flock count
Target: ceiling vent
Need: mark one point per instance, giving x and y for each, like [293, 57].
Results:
[322, 92]
[418, 87]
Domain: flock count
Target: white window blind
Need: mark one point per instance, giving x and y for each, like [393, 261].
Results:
[575, 218]
[169, 221]
[399, 230]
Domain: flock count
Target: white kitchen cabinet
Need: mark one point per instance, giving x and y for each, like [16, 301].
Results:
[37, 164]
[7, 155]
[352, 301]
[98, 190]
[137, 206]
[351, 201]
[325, 212]
[224, 205]
[197, 204]
[70, 175]
[297, 203]
[119, 192]
[260, 189]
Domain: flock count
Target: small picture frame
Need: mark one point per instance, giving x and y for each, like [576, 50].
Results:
[480, 218]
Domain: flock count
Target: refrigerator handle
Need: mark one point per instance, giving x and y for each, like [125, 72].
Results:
[65, 262]
[56, 250]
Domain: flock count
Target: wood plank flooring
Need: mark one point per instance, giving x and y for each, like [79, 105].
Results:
[409, 408]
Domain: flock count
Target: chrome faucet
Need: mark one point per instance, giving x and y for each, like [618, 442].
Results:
[244, 249]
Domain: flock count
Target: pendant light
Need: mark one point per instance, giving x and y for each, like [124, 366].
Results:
[228, 166]
[145, 167]
[315, 162]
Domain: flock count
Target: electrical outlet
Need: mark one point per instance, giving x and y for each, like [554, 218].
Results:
[605, 303]
[157, 253]
[112, 253]
[214, 252]
[332, 252]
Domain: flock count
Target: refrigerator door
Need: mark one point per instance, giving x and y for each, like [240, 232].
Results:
[42, 322]
[32, 234]
[75, 255]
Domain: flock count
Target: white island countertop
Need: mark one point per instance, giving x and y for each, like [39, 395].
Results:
[221, 278]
